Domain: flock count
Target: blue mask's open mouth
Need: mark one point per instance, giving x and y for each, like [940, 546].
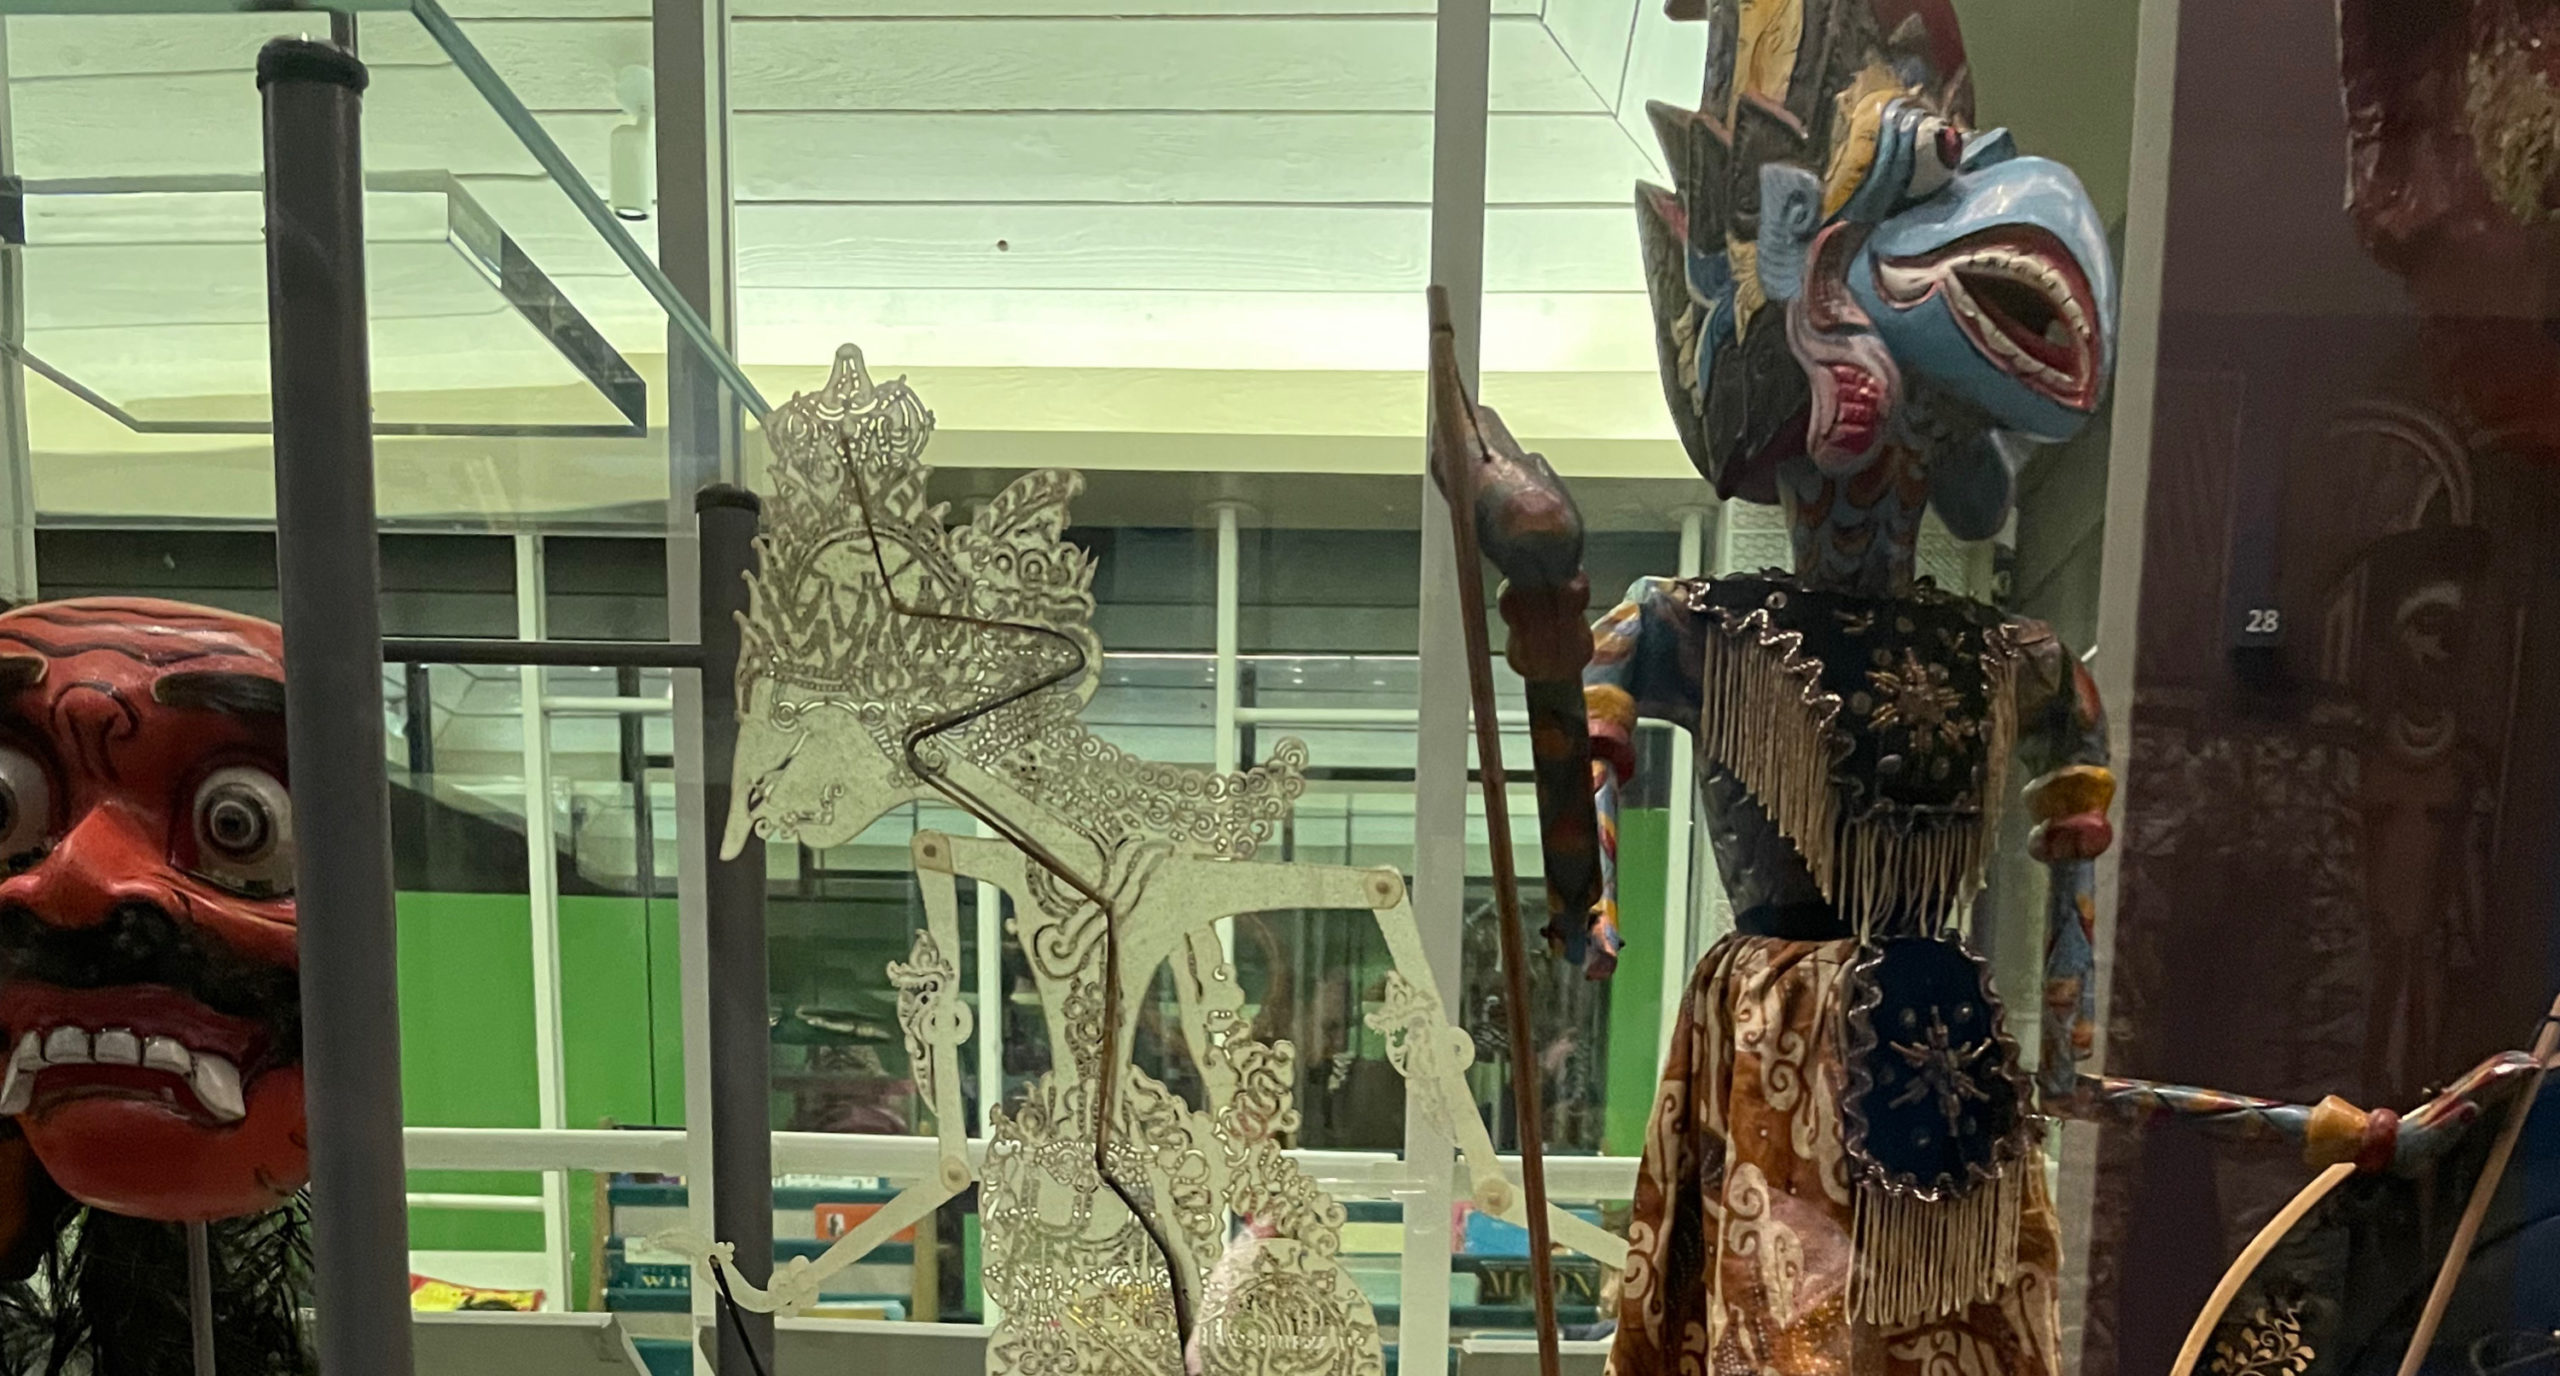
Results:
[2023, 302]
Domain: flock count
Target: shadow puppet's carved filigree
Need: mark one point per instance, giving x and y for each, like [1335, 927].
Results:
[878, 635]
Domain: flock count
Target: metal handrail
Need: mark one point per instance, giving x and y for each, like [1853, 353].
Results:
[661, 1151]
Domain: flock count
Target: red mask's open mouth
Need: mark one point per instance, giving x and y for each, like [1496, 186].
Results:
[2017, 294]
[141, 1100]
[142, 1043]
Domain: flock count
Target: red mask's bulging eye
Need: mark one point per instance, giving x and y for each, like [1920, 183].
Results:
[244, 832]
[26, 806]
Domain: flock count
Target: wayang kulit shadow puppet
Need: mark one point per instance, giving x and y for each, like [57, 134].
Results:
[1866, 309]
[894, 654]
[148, 985]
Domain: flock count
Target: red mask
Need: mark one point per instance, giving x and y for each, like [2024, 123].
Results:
[148, 981]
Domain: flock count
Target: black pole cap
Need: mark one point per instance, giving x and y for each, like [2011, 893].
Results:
[726, 494]
[310, 59]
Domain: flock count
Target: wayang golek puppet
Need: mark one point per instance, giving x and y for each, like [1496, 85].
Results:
[1865, 308]
[148, 985]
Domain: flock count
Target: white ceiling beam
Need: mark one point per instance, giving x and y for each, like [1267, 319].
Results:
[1282, 62]
[790, 245]
[422, 119]
[51, 47]
[1094, 9]
[1298, 63]
[206, 123]
[1355, 159]
[1160, 247]
[1291, 331]
[445, 480]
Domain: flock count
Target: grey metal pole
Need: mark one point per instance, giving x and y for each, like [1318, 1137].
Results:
[17, 457]
[741, 1025]
[200, 1296]
[328, 575]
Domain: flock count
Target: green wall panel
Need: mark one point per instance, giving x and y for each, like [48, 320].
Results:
[466, 1042]
[607, 1039]
[666, 1014]
[1635, 991]
[466, 1052]
[466, 1010]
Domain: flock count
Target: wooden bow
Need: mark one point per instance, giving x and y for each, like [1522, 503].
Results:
[1467, 469]
[2546, 1044]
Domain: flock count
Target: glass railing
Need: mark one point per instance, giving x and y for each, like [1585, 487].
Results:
[534, 372]
[532, 366]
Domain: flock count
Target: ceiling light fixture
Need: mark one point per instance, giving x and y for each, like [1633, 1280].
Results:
[630, 176]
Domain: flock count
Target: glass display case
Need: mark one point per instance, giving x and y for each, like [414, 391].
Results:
[2290, 541]
[544, 402]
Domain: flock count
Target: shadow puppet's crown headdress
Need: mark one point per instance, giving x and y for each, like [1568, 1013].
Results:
[977, 633]
[849, 505]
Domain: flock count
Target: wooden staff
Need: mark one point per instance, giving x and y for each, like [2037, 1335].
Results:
[1457, 450]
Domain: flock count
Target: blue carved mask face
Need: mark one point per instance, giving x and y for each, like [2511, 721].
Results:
[1844, 266]
[1959, 298]
[1997, 289]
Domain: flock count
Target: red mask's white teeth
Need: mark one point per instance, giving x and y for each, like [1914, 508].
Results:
[213, 1080]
